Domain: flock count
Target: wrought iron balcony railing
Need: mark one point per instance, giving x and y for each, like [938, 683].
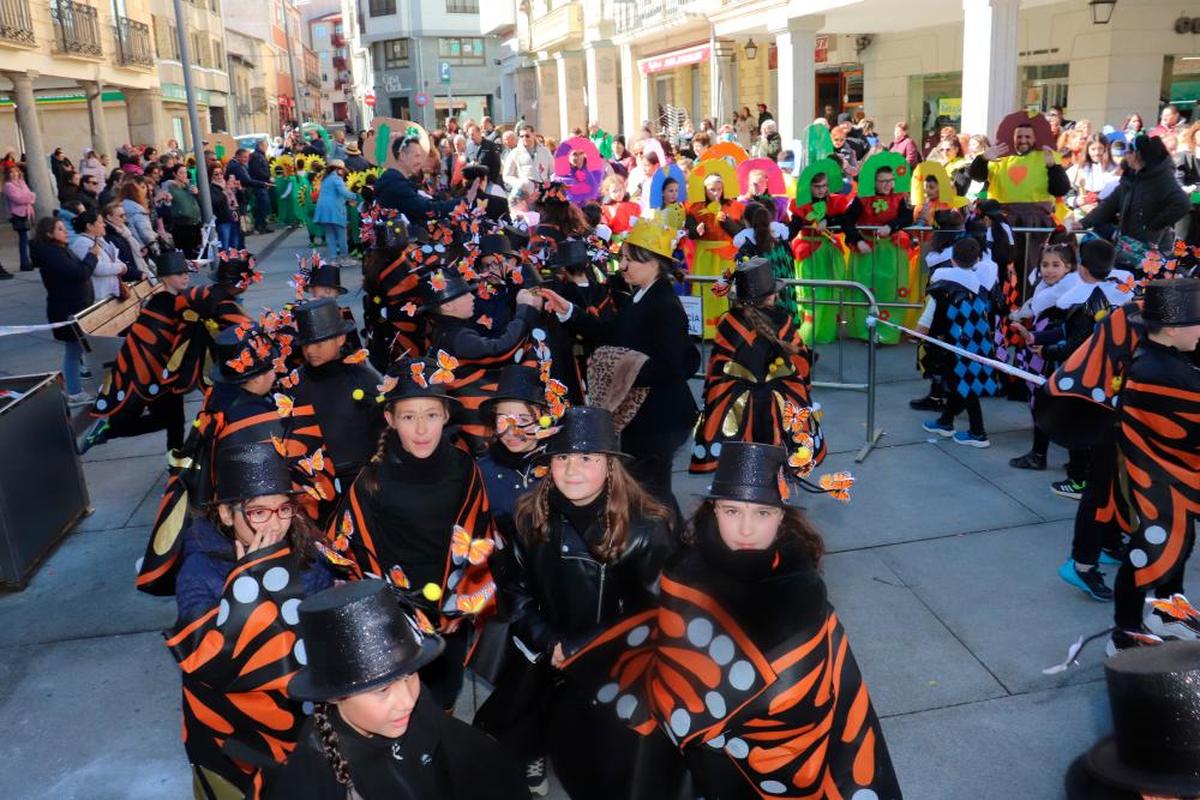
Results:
[133, 43]
[76, 28]
[16, 23]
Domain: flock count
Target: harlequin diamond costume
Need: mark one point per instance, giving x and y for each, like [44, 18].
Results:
[745, 665]
[758, 384]
[818, 253]
[235, 640]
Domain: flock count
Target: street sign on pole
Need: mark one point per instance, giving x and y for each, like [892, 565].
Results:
[422, 99]
[444, 71]
[370, 99]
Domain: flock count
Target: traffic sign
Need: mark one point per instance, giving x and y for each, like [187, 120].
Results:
[422, 99]
[369, 99]
[444, 71]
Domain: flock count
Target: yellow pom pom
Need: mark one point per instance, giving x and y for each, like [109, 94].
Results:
[804, 454]
[779, 362]
[545, 421]
[432, 592]
[377, 299]
[358, 394]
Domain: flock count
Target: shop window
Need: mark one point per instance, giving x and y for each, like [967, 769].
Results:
[938, 102]
[1044, 86]
[1181, 86]
[461, 50]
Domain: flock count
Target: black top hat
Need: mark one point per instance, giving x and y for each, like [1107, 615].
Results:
[171, 262]
[242, 354]
[318, 320]
[414, 377]
[748, 472]
[518, 237]
[443, 285]
[570, 253]
[518, 382]
[495, 244]
[585, 429]
[327, 275]
[358, 636]
[754, 280]
[1172, 302]
[246, 471]
[235, 268]
[1154, 693]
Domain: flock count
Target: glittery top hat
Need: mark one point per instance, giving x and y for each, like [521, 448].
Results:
[493, 244]
[327, 275]
[518, 382]
[443, 285]
[750, 473]
[1172, 303]
[318, 320]
[246, 471]
[754, 280]
[242, 354]
[236, 268]
[358, 636]
[570, 253]
[585, 429]
[419, 377]
[171, 262]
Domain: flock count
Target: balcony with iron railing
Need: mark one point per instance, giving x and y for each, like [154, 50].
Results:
[635, 16]
[16, 23]
[133, 43]
[76, 29]
[558, 28]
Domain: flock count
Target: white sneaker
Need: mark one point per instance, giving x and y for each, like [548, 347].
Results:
[535, 777]
[80, 399]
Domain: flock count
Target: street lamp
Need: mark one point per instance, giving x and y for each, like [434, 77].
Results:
[1102, 11]
[751, 49]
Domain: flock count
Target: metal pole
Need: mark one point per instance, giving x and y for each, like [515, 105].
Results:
[287, 34]
[185, 63]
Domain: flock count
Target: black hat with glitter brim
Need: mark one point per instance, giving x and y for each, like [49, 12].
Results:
[585, 429]
[754, 280]
[246, 471]
[171, 262]
[495, 244]
[232, 269]
[519, 383]
[358, 636]
[411, 378]
[1154, 694]
[232, 351]
[748, 472]
[570, 253]
[454, 287]
[318, 320]
[1172, 302]
[328, 276]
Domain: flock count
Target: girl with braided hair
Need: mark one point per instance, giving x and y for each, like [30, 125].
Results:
[375, 731]
[591, 543]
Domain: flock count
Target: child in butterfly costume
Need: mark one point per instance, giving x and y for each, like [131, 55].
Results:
[316, 280]
[758, 384]
[818, 253]
[744, 664]
[162, 357]
[242, 406]
[245, 568]
[417, 516]
[393, 269]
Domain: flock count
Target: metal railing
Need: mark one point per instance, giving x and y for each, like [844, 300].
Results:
[76, 28]
[631, 16]
[16, 23]
[133, 43]
[873, 433]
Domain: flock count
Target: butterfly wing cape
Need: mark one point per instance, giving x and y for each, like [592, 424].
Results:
[796, 722]
[749, 389]
[150, 358]
[237, 661]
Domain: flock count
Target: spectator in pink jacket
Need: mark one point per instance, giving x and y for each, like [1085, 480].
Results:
[905, 146]
[20, 199]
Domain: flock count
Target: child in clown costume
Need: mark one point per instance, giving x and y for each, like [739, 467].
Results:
[879, 257]
[817, 251]
[712, 222]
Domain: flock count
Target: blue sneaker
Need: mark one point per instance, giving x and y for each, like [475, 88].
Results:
[1110, 558]
[972, 439]
[933, 426]
[1090, 582]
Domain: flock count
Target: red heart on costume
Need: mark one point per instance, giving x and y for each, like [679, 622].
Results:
[1017, 174]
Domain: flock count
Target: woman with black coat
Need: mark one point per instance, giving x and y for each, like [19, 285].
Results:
[1148, 201]
[650, 321]
[68, 282]
[591, 543]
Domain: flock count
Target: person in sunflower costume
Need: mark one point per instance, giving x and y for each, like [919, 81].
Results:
[283, 176]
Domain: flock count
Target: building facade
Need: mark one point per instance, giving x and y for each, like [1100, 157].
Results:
[253, 94]
[278, 24]
[164, 116]
[430, 59]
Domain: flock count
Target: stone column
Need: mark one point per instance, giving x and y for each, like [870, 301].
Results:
[93, 92]
[795, 44]
[630, 81]
[36, 155]
[572, 88]
[603, 106]
[989, 75]
[547, 99]
[147, 122]
[721, 73]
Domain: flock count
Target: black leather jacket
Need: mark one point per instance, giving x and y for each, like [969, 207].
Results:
[562, 593]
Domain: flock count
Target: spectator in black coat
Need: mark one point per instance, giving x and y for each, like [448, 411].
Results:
[68, 283]
[481, 150]
[354, 159]
[259, 172]
[129, 250]
[398, 188]
[1148, 201]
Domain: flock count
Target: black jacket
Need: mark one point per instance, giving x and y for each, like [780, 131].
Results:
[438, 757]
[343, 398]
[563, 593]
[68, 283]
[488, 154]
[125, 253]
[1145, 204]
[657, 326]
[259, 168]
[459, 338]
[357, 164]
[394, 190]
[220, 205]
[237, 169]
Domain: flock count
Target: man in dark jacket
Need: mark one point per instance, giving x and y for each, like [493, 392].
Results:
[481, 150]
[259, 172]
[398, 188]
[1148, 201]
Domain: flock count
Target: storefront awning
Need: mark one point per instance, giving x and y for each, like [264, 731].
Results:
[696, 54]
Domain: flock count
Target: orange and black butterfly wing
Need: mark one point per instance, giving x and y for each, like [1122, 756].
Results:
[724, 392]
[142, 370]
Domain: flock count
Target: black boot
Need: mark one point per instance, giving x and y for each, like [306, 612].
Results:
[5, 275]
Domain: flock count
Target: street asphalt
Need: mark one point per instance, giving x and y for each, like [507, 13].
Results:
[942, 568]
